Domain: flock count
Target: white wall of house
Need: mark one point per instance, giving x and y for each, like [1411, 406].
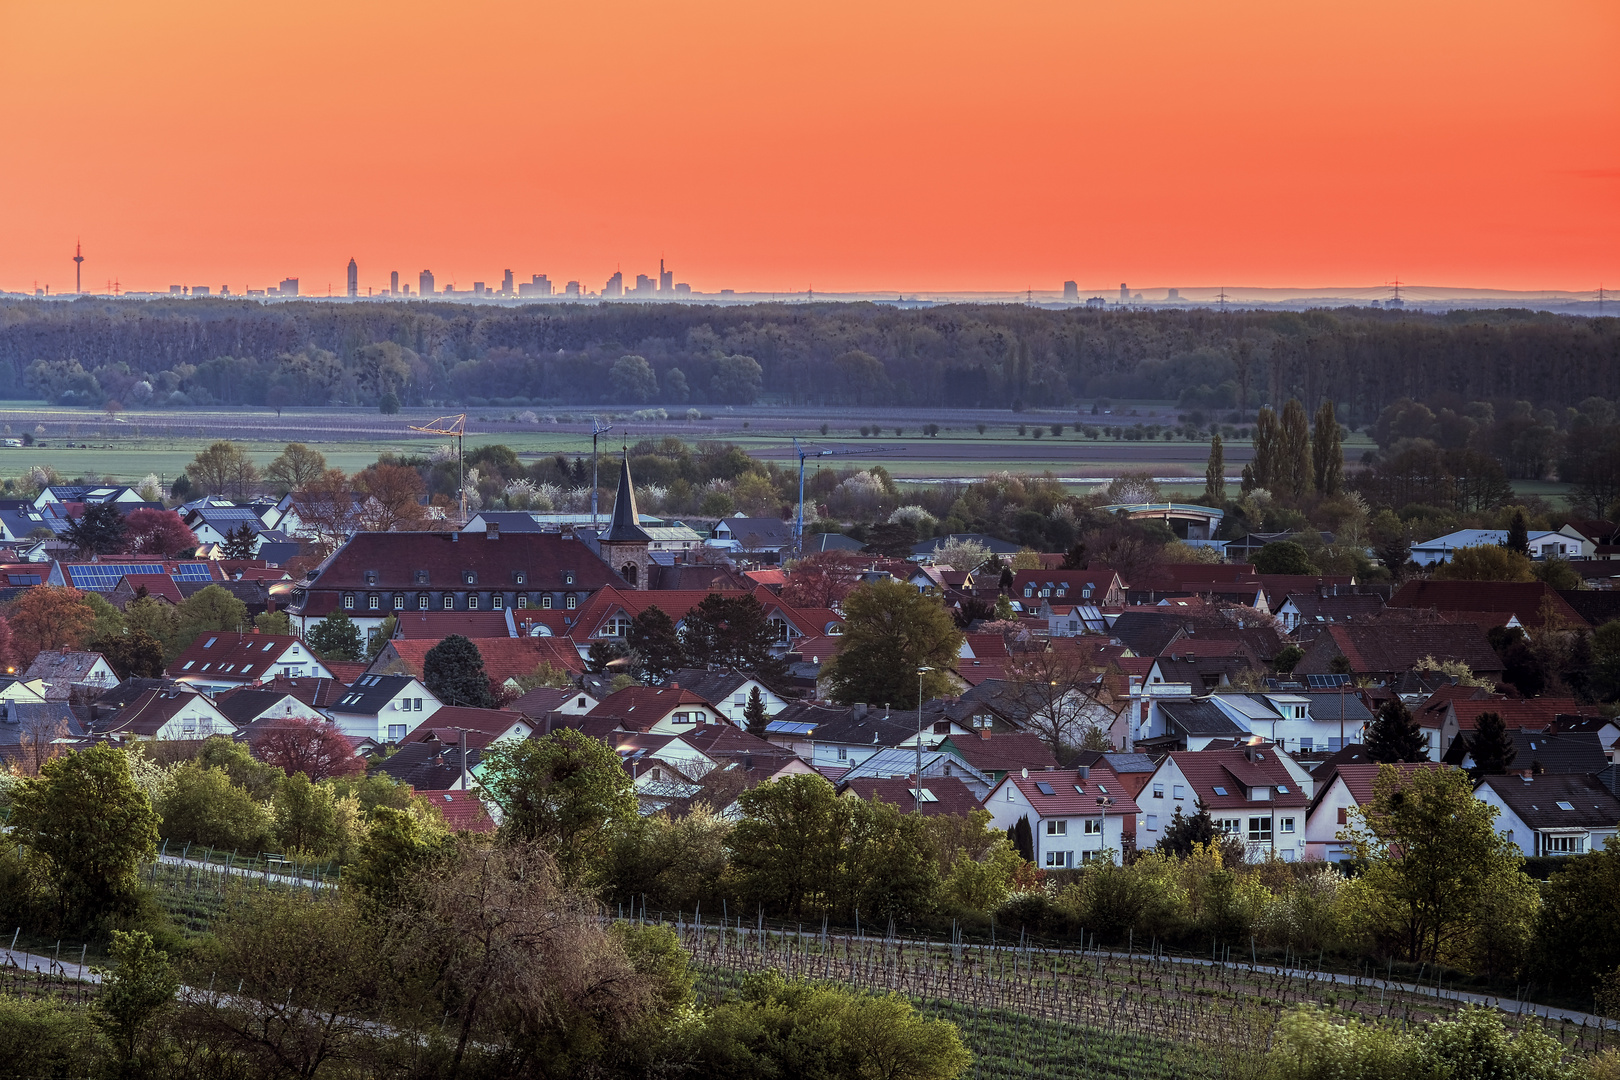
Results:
[1331, 815]
[1060, 842]
[196, 719]
[1252, 822]
[409, 708]
[1544, 841]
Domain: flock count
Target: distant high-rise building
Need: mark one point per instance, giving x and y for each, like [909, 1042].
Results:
[615, 284]
[289, 287]
[682, 289]
[666, 279]
[571, 289]
[177, 290]
[393, 283]
[645, 285]
[540, 286]
[78, 267]
[424, 283]
[478, 288]
[1175, 294]
[506, 284]
[200, 290]
[1124, 294]
[1071, 293]
[354, 277]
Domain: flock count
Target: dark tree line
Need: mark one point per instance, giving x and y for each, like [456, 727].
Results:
[311, 353]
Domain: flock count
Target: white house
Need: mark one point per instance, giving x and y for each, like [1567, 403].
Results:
[219, 661]
[167, 714]
[386, 708]
[1348, 787]
[1543, 545]
[1074, 814]
[1552, 814]
[1248, 791]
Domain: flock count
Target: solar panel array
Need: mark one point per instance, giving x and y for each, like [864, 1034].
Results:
[192, 571]
[104, 577]
[789, 727]
[1326, 682]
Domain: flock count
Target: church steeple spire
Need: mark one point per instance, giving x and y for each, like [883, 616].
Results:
[626, 524]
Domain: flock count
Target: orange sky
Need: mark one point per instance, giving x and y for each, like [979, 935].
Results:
[849, 146]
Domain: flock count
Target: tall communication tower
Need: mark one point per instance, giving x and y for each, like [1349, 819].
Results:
[78, 266]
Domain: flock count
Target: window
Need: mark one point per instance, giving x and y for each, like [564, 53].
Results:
[470, 577]
[1299, 712]
[1044, 788]
[1153, 822]
[573, 602]
[1178, 791]
[1344, 815]
[521, 577]
[1566, 845]
[1287, 824]
[1060, 859]
[1282, 789]
[568, 578]
[421, 577]
[1094, 826]
[422, 602]
[523, 600]
[373, 602]
[1057, 828]
[1158, 791]
[472, 601]
[348, 602]
[545, 602]
[497, 601]
[1306, 745]
[1220, 790]
[682, 718]
[1562, 805]
[396, 732]
[1090, 856]
[1229, 825]
[449, 602]
[399, 602]
[1009, 787]
[1260, 830]
[843, 753]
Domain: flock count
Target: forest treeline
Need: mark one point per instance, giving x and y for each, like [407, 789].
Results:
[237, 352]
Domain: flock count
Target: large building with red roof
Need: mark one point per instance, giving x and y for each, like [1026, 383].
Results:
[1075, 814]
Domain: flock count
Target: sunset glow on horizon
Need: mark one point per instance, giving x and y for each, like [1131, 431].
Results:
[841, 146]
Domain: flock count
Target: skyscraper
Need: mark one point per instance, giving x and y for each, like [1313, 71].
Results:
[1124, 294]
[571, 289]
[1071, 293]
[506, 284]
[666, 279]
[354, 277]
[424, 283]
[289, 287]
[644, 285]
[615, 284]
[393, 283]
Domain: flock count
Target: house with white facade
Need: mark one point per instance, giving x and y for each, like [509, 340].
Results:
[386, 708]
[221, 660]
[1247, 790]
[1075, 815]
[1551, 814]
[1346, 788]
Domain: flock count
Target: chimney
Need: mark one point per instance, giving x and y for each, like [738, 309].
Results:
[492, 530]
[859, 710]
[984, 733]
[1084, 773]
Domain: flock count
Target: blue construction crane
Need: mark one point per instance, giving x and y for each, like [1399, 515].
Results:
[803, 452]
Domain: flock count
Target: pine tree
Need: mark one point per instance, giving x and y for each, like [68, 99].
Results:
[652, 637]
[1023, 838]
[453, 670]
[1215, 474]
[1292, 470]
[239, 542]
[1493, 748]
[1394, 735]
[1327, 451]
[335, 637]
[1518, 537]
[754, 713]
[1267, 434]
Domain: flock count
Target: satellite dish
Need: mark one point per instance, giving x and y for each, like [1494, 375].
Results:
[1025, 773]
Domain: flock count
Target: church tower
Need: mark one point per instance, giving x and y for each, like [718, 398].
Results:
[624, 545]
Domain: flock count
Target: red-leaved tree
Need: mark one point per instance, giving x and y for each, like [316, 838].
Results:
[158, 532]
[313, 747]
[824, 579]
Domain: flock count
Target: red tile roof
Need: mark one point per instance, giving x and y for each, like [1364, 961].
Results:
[1390, 646]
[949, 794]
[641, 707]
[346, 671]
[159, 586]
[1074, 797]
[1007, 752]
[463, 811]
[1522, 598]
[435, 626]
[1232, 770]
[1358, 778]
[504, 657]
[243, 657]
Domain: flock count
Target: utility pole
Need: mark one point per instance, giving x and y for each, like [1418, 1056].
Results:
[596, 429]
[916, 793]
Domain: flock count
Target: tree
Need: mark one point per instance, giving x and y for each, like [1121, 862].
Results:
[1518, 532]
[633, 380]
[277, 622]
[1393, 735]
[92, 861]
[1391, 541]
[240, 542]
[1075, 558]
[1215, 474]
[1327, 451]
[1292, 469]
[892, 539]
[1486, 562]
[1579, 910]
[156, 619]
[136, 992]
[46, 618]
[736, 380]
[378, 641]
[891, 630]
[394, 495]
[1056, 690]
[294, 468]
[653, 638]
[1431, 850]
[388, 404]
[201, 805]
[754, 714]
[1492, 749]
[1284, 557]
[823, 579]
[224, 469]
[453, 671]
[328, 509]
[565, 791]
[98, 531]
[1604, 679]
[1287, 658]
[315, 748]
[159, 532]
[962, 555]
[1267, 440]
[733, 632]
[1023, 838]
[133, 654]
[336, 637]
[211, 609]
[1558, 573]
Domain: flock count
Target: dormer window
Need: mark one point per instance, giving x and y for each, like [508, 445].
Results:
[498, 602]
[472, 601]
[469, 577]
[523, 600]
[449, 602]
[568, 579]
[520, 577]
[573, 602]
[422, 602]
[371, 577]
[545, 602]
[373, 602]
[421, 577]
[348, 602]
[399, 602]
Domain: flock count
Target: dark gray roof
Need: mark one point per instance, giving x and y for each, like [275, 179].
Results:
[1200, 718]
[511, 521]
[625, 526]
[1535, 799]
[1578, 752]
[814, 542]
[758, 532]
[29, 718]
[1146, 633]
[1325, 705]
[277, 553]
[242, 707]
[369, 693]
[1596, 606]
[849, 724]
[715, 687]
[426, 766]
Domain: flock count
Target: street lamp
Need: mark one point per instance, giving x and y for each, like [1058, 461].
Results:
[916, 792]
